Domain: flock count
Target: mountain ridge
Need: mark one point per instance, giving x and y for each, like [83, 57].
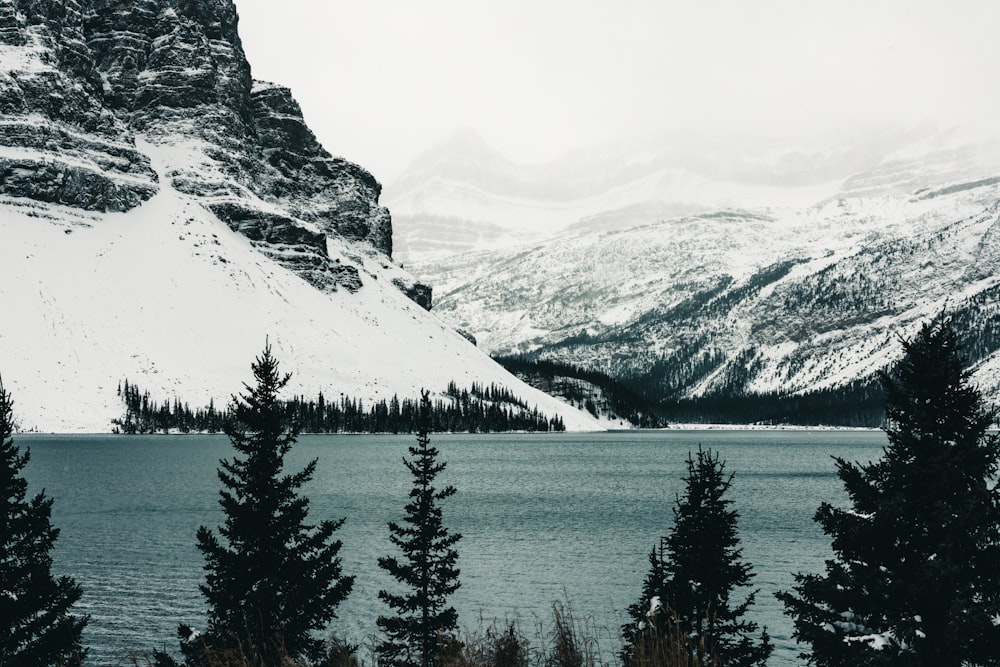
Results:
[461, 195]
[163, 215]
[753, 300]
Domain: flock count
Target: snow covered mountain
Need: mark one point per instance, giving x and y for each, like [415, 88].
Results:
[463, 196]
[754, 299]
[162, 214]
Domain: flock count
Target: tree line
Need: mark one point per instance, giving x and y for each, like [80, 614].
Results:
[622, 402]
[492, 409]
[858, 403]
[913, 580]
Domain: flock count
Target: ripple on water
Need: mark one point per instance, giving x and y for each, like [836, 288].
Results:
[543, 518]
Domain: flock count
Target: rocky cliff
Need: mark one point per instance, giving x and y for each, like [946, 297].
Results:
[162, 215]
[86, 84]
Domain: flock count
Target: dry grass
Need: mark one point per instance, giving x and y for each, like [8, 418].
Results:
[673, 649]
[569, 642]
[566, 641]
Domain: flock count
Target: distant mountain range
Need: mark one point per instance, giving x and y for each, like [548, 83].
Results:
[461, 195]
[739, 271]
[163, 214]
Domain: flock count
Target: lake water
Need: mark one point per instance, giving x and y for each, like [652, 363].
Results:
[544, 518]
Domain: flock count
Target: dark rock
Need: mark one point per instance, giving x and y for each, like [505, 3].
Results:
[158, 58]
[100, 72]
[312, 266]
[298, 249]
[59, 183]
[106, 155]
[10, 31]
[72, 149]
[268, 227]
[336, 194]
[417, 292]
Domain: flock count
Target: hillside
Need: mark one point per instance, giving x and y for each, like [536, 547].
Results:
[754, 300]
[463, 196]
[163, 215]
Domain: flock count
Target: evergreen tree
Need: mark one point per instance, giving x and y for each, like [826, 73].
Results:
[692, 577]
[36, 627]
[427, 568]
[915, 577]
[276, 578]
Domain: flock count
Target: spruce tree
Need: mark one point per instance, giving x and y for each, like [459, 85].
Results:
[427, 567]
[36, 626]
[688, 592]
[915, 575]
[274, 578]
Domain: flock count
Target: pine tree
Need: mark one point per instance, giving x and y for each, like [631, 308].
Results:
[36, 627]
[427, 568]
[693, 575]
[276, 578]
[915, 577]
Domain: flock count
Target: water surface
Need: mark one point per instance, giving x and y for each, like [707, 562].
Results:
[544, 518]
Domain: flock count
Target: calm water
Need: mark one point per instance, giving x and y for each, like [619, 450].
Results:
[544, 518]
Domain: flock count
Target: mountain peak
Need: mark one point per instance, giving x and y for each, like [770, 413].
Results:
[463, 150]
[162, 214]
[84, 83]
[465, 138]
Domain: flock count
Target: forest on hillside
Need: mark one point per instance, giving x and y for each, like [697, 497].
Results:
[478, 409]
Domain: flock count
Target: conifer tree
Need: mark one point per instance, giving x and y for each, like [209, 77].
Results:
[275, 578]
[427, 567]
[915, 576]
[36, 626]
[692, 578]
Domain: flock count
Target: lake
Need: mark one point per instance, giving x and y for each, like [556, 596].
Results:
[567, 517]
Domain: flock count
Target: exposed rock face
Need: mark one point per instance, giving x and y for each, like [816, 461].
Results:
[58, 142]
[419, 293]
[82, 80]
[169, 63]
[296, 247]
[306, 175]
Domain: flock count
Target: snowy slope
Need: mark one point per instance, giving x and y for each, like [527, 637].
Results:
[785, 299]
[463, 196]
[163, 214]
[169, 297]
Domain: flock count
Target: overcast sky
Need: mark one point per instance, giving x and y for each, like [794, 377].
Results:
[380, 81]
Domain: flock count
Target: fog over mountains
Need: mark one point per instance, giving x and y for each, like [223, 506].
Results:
[462, 195]
[699, 269]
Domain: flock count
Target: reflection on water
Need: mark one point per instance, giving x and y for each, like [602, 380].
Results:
[544, 518]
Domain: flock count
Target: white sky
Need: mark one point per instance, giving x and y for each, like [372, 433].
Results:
[380, 81]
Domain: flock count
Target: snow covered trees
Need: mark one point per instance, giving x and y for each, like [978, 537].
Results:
[428, 565]
[277, 578]
[688, 591]
[36, 627]
[915, 578]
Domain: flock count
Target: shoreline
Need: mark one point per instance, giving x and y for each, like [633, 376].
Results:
[671, 427]
[764, 427]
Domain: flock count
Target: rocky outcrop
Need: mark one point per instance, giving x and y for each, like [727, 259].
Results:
[419, 293]
[174, 67]
[300, 249]
[59, 143]
[81, 80]
[56, 182]
[336, 194]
